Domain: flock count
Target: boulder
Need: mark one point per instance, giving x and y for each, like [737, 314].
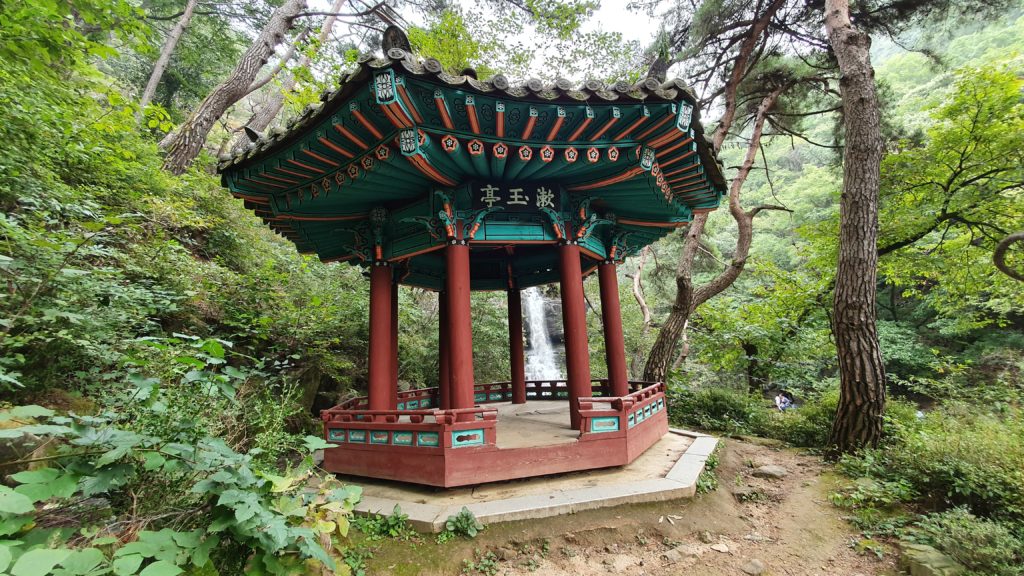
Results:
[771, 471]
[922, 560]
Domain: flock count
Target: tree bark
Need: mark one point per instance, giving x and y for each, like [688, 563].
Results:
[740, 68]
[271, 107]
[193, 132]
[645, 310]
[687, 296]
[165, 55]
[754, 384]
[858, 419]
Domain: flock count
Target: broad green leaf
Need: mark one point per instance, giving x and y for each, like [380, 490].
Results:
[161, 568]
[29, 411]
[35, 492]
[38, 562]
[13, 503]
[5, 558]
[202, 553]
[313, 443]
[81, 562]
[153, 460]
[127, 565]
[279, 483]
[36, 476]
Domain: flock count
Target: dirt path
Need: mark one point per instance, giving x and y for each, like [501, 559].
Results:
[786, 524]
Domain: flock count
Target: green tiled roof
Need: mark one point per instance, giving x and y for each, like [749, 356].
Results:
[403, 156]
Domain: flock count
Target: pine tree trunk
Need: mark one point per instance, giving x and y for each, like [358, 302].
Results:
[858, 419]
[165, 54]
[193, 132]
[271, 107]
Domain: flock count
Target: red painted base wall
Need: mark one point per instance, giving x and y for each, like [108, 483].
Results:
[462, 466]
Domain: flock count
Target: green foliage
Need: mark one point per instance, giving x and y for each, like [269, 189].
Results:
[377, 526]
[717, 409]
[463, 524]
[708, 480]
[225, 507]
[958, 455]
[482, 564]
[982, 546]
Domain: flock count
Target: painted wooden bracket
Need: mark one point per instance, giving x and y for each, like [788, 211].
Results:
[359, 247]
[620, 247]
[585, 224]
[446, 215]
[557, 223]
[476, 218]
[433, 225]
[378, 218]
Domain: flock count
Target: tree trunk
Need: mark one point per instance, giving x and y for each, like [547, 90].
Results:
[858, 420]
[999, 256]
[754, 383]
[638, 293]
[192, 134]
[165, 55]
[687, 297]
[271, 107]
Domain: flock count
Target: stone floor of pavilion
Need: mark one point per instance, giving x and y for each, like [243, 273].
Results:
[534, 424]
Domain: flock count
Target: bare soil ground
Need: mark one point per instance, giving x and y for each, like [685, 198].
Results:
[787, 524]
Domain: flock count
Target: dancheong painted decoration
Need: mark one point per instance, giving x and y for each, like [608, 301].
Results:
[453, 184]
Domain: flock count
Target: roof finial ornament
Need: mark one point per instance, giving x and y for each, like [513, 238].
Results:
[394, 37]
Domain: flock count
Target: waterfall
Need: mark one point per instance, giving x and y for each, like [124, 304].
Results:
[541, 359]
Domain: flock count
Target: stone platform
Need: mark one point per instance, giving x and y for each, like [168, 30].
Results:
[668, 470]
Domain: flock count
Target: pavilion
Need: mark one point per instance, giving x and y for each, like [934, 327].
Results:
[453, 184]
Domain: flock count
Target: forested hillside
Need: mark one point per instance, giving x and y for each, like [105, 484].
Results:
[164, 355]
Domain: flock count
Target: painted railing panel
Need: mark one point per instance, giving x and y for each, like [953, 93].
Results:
[619, 415]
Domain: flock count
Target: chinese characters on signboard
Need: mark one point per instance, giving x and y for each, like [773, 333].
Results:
[516, 196]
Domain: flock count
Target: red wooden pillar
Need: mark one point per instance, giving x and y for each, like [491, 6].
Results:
[393, 356]
[380, 337]
[611, 318]
[574, 326]
[460, 329]
[443, 354]
[515, 346]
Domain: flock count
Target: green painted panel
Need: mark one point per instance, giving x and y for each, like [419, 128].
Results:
[336, 435]
[604, 424]
[379, 437]
[401, 438]
[461, 438]
[427, 439]
[357, 436]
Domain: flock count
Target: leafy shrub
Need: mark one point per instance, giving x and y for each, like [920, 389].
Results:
[717, 409]
[112, 482]
[957, 457]
[984, 547]
[377, 526]
[463, 524]
[807, 425]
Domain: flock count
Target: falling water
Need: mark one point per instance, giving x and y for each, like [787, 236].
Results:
[541, 360]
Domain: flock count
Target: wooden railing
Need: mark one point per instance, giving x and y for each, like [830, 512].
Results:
[418, 422]
[601, 415]
[423, 398]
[417, 428]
